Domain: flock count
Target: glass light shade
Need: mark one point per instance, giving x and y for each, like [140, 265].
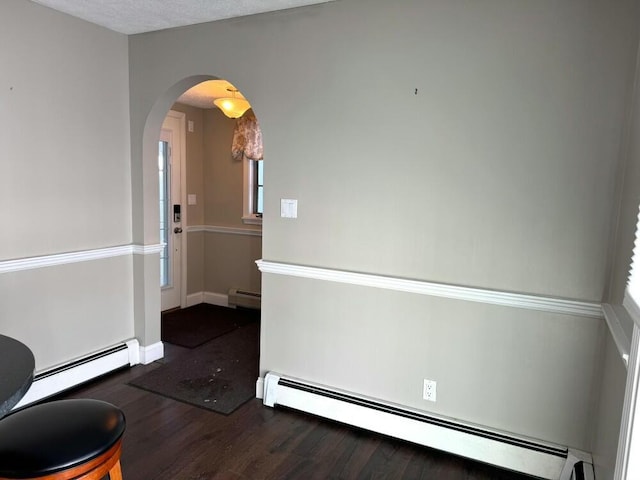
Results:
[232, 107]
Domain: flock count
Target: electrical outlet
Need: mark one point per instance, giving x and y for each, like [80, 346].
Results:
[429, 390]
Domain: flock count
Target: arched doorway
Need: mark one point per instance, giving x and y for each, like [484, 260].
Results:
[146, 226]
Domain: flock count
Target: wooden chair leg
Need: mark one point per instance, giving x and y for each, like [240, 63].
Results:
[115, 473]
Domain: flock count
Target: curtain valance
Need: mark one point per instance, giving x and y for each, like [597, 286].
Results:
[247, 138]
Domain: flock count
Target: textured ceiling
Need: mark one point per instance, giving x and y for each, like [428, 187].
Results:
[138, 16]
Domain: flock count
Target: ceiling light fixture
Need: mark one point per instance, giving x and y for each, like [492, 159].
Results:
[232, 107]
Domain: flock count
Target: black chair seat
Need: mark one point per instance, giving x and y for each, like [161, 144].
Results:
[55, 436]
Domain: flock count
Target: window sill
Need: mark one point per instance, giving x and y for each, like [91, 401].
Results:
[252, 220]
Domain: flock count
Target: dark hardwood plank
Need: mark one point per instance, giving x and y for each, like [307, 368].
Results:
[169, 440]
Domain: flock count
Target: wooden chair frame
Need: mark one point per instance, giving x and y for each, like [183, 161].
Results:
[94, 469]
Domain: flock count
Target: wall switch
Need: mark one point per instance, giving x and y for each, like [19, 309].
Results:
[190, 126]
[429, 390]
[192, 199]
[288, 208]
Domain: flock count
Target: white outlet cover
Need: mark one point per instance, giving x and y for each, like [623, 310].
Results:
[429, 391]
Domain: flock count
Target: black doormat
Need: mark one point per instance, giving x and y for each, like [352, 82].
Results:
[193, 326]
[219, 375]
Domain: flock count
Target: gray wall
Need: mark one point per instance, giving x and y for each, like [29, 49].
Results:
[229, 259]
[65, 184]
[230, 262]
[499, 173]
[609, 412]
[194, 161]
[516, 370]
[222, 174]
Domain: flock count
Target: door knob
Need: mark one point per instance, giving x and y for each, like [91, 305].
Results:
[177, 230]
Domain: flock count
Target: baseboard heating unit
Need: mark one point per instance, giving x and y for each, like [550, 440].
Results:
[241, 298]
[520, 454]
[76, 372]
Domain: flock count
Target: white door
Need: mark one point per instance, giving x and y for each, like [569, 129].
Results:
[170, 150]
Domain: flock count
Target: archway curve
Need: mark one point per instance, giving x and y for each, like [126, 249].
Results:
[147, 307]
[159, 111]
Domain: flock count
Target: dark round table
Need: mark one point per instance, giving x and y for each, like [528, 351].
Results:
[16, 372]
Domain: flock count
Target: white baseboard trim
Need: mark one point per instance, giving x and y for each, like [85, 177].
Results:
[220, 299]
[216, 299]
[503, 449]
[151, 353]
[76, 372]
[470, 294]
[260, 387]
[195, 299]
[134, 351]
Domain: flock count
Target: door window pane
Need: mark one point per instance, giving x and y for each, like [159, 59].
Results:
[163, 175]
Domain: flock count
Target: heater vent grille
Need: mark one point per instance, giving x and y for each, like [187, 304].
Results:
[551, 450]
[503, 449]
[75, 372]
[242, 298]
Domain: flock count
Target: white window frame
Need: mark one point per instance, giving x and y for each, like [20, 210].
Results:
[249, 188]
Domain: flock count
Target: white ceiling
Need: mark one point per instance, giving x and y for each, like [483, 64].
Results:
[203, 94]
[138, 16]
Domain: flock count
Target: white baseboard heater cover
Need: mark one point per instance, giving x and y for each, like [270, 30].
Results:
[504, 450]
[242, 298]
[76, 372]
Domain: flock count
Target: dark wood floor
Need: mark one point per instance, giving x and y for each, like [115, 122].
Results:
[167, 439]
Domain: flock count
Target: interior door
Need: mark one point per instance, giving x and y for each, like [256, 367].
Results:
[171, 212]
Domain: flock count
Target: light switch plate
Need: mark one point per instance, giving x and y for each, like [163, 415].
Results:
[288, 208]
[192, 199]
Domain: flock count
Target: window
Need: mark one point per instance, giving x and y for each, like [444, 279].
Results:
[259, 188]
[163, 170]
[628, 460]
[253, 191]
[632, 294]
[247, 147]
